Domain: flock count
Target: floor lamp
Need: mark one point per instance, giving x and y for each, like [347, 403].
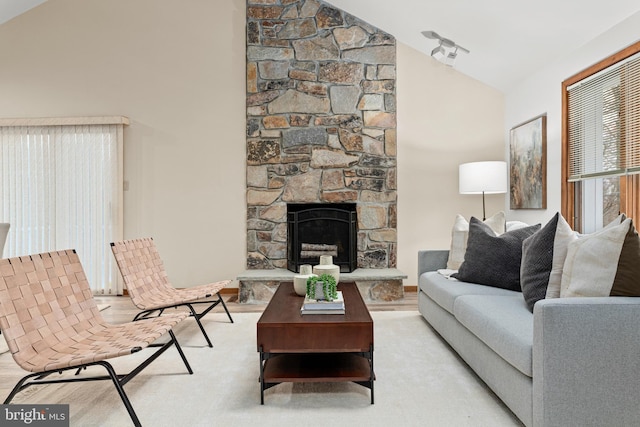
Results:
[483, 178]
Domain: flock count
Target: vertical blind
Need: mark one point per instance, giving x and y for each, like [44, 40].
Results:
[61, 189]
[604, 122]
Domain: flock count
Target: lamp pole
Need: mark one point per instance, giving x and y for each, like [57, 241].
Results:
[484, 215]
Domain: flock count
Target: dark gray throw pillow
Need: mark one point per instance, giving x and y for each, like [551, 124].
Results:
[493, 260]
[627, 282]
[537, 261]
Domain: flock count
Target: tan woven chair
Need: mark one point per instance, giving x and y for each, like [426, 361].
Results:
[148, 285]
[51, 324]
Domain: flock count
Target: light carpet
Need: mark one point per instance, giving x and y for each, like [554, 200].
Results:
[420, 382]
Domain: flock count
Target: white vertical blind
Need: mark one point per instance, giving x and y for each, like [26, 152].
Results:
[604, 122]
[61, 189]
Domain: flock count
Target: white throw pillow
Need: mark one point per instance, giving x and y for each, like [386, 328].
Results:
[460, 234]
[564, 236]
[515, 225]
[592, 262]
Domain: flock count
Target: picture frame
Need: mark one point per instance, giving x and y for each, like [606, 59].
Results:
[528, 164]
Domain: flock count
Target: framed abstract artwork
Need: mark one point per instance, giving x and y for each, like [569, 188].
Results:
[528, 164]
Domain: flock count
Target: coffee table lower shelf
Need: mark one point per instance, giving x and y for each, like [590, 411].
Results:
[276, 368]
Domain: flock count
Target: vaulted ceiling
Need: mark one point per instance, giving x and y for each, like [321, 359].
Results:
[508, 39]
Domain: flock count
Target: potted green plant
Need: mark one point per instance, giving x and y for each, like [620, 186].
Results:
[322, 287]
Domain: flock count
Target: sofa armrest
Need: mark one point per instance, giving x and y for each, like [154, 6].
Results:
[432, 260]
[586, 361]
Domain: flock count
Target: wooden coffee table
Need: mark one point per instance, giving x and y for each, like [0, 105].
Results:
[318, 347]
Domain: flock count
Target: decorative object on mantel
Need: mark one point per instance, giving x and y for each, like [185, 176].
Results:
[300, 280]
[322, 288]
[483, 178]
[327, 266]
[528, 157]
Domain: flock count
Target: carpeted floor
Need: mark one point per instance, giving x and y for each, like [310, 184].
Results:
[420, 382]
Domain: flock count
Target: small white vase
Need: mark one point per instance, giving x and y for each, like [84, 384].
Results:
[300, 280]
[326, 266]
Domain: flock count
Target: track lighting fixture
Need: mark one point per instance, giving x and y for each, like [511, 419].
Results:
[439, 52]
[451, 57]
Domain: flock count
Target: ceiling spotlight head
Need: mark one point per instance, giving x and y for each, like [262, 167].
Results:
[451, 58]
[438, 52]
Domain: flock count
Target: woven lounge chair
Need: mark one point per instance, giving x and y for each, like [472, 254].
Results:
[148, 285]
[52, 324]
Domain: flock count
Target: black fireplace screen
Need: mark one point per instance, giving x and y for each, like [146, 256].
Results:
[322, 229]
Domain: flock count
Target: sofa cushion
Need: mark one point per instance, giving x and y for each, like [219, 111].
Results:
[537, 260]
[503, 323]
[493, 260]
[564, 236]
[460, 234]
[445, 291]
[626, 282]
[514, 225]
[592, 262]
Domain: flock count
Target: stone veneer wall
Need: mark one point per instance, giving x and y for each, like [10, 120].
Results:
[321, 125]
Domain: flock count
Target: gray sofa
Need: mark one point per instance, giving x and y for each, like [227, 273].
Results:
[573, 362]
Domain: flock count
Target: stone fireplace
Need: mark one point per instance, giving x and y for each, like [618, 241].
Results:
[321, 126]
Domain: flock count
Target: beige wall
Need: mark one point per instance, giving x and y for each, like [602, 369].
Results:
[177, 70]
[541, 93]
[444, 118]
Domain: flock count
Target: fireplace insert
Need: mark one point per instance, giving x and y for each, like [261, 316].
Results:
[322, 229]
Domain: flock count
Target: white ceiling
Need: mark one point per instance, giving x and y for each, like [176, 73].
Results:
[508, 39]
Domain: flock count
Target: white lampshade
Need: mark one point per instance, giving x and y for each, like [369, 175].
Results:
[483, 177]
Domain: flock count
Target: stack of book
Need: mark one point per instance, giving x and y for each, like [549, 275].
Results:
[312, 306]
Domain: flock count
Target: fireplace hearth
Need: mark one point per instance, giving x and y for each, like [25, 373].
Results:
[322, 229]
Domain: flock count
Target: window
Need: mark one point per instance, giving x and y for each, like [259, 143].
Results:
[61, 188]
[601, 142]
